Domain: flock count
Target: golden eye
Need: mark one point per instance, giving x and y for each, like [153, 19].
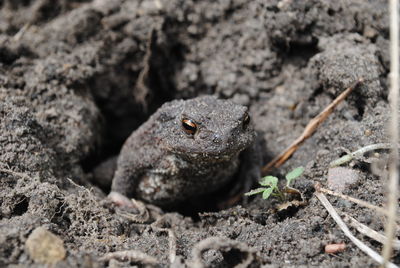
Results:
[189, 126]
[246, 120]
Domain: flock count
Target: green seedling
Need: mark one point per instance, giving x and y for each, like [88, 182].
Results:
[270, 185]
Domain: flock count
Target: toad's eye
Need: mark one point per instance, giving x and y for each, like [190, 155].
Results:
[246, 120]
[189, 126]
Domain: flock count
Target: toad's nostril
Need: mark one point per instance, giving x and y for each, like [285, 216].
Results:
[216, 139]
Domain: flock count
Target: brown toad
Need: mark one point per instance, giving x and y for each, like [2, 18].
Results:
[187, 148]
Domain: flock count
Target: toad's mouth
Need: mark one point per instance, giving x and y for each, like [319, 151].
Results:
[211, 156]
[211, 151]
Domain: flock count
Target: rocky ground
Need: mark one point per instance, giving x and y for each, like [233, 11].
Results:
[78, 76]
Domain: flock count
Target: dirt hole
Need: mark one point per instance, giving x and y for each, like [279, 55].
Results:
[60, 217]
[127, 94]
[299, 53]
[21, 207]
[234, 257]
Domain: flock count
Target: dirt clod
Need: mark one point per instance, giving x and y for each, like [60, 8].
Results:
[339, 178]
[45, 247]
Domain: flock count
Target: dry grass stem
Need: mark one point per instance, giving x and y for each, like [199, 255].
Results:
[17, 37]
[141, 217]
[14, 173]
[310, 129]
[370, 252]
[135, 256]
[365, 230]
[172, 245]
[171, 238]
[359, 153]
[351, 199]
[393, 130]
[83, 188]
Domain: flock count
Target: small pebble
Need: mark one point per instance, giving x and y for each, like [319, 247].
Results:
[367, 132]
[339, 178]
[335, 248]
[45, 247]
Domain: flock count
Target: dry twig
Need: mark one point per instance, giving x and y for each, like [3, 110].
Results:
[135, 256]
[9, 171]
[359, 153]
[310, 129]
[351, 199]
[83, 188]
[393, 129]
[21, 32]
[370, 252]
[158, 225]
[141, 217]
[365, 230]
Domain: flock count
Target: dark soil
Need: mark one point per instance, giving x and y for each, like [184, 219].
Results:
[78, 76]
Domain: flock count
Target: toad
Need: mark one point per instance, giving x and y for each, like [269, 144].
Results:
[186, 149]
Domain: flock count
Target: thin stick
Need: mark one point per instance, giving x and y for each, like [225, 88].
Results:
[21, 32]
[141, 217]
[359, 153]
[365, 230]
[393, 129]
[14, 173]
[131, 256]
[83, 188]
[172, 246]
[370, 252]
[351, 199]
[310, 129]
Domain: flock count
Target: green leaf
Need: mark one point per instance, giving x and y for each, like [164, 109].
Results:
[293, 175]
[255, 191]
[269, 181]
[267, 193]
